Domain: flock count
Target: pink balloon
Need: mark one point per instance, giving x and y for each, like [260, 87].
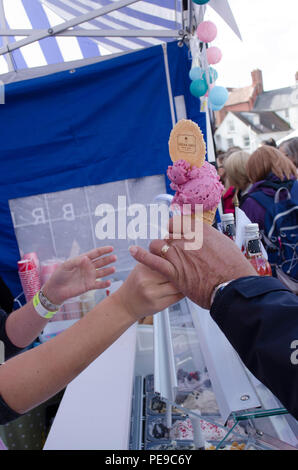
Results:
[214, 55]
[206, 31]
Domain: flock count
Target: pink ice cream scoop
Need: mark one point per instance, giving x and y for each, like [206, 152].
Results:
[179, 173]
[195, 185]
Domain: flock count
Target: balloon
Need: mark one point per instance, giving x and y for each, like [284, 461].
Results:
[200, 2]
[198, 88]
[213, 75]
[214, 107]
[214, 55]
[218, 95]
[196, 73]
[206, 31]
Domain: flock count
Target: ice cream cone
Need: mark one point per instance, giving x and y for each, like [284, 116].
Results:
[208, 216]
[194, 180]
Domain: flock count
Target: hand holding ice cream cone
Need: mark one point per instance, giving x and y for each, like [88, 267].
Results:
[194, 179]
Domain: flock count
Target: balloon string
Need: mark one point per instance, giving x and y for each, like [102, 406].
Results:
[202, 11]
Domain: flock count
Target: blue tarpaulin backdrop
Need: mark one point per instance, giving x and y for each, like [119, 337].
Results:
[96, 124]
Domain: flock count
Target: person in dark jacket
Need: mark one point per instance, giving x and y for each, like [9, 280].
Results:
[266, 166]
[258, 315]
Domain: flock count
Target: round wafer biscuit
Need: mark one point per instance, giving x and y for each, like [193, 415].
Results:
[187, 143]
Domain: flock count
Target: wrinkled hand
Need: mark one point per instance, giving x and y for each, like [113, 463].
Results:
[196, 273]
[146, 292]
[79, 275]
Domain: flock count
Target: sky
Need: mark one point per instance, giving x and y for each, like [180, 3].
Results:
[270, 42]
[269, 29]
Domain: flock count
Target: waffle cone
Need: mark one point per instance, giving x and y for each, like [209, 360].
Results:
[208, 216]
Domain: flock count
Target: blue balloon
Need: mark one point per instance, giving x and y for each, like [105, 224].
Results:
[198, 88]
[200, 2]
[218, 95]
[214, 107]
[196, 73]
[213, 75]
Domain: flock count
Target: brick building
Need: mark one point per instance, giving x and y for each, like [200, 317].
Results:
[242, 99]
[252, 115]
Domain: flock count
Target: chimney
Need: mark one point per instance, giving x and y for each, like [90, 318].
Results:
[257, 81]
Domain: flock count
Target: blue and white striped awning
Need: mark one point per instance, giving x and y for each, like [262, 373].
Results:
[111, 33]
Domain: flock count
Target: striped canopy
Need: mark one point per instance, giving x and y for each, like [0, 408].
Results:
[120, 26]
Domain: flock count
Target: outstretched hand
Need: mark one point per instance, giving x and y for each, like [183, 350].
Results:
[80, 274]
[146, 292]
[196, 273]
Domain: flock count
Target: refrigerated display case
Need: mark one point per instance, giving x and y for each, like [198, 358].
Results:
[203, 395]
[175, 385]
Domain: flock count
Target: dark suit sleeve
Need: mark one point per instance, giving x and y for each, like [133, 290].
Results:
[259, 317]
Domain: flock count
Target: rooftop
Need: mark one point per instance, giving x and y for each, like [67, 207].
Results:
[240, 95]
[279, 99]
[267, 121]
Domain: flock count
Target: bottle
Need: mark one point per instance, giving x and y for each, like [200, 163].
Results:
[228, 226]
[253, 250]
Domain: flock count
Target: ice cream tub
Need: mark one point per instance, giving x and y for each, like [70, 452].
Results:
[182, 429]
[170, 445]
[156, 429]
[203, 400]
[189, 381]
[234, 445]
[155, 405]
[189, 445]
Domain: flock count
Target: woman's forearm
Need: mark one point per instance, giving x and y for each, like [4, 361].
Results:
[24, 325]
[34, 376]
[73, 278]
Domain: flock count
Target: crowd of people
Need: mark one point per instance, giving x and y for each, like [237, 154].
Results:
[264, 185]
[243, 173]
[257, 314]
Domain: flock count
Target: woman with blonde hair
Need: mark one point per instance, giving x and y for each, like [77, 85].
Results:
[235, 167]
[268, 170]
[227, 198]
